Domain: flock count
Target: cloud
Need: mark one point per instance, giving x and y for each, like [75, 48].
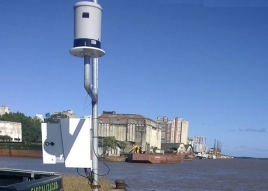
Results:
[232, 3]
[261, 130]
[181, 1]
[251, 148]
[213, 3]
[241, 147]
[258, 149]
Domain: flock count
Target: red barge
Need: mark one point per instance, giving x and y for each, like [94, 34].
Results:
[155, 158]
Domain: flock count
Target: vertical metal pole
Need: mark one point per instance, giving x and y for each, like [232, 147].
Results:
[95, 119]
[86, 71]
[94, 111]
[95, 122]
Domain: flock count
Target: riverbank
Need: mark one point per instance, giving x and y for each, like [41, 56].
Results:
[20, 150]
[114, 158]
[73, 182]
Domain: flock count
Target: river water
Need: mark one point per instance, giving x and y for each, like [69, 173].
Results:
[196, 175]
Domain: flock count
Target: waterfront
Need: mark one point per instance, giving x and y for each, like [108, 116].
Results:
[196, 175]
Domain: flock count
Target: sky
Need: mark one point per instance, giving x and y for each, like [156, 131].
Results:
[201, 60]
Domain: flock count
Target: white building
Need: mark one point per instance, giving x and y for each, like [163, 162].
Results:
[69, 113]
[40, 117]
[3, 110]
[199, 144]
[11, 129]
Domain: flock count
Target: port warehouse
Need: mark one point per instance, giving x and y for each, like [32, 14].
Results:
[142, 131]
[131, 128]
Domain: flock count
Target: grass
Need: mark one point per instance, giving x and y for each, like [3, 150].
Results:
[20, 146]
[75, 183]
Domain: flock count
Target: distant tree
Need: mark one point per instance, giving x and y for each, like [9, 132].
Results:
[107, 143]
[47, 115]
[54, 118]
[31, 127]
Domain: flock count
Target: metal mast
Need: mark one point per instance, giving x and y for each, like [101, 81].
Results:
[95, 120]
[87, 45]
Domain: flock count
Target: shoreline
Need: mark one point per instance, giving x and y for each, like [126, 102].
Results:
[21, 153]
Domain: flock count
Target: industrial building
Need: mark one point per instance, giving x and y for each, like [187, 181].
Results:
[133, 128]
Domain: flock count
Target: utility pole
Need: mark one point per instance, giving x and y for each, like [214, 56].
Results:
[95, 119]
[87, 45]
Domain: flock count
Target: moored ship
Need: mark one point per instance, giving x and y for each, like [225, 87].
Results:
[155, 158]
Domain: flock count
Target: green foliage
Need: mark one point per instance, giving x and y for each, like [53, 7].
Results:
[107, 143]
[55, 118]
[47, 115]
[19, 146]
[31, 127]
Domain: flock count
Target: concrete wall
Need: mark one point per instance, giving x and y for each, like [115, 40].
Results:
[12, 129]
[122, 132]
[142, 131]
[153, 134]
[163, 132]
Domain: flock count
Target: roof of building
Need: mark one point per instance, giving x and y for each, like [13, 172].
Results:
[122, 116]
